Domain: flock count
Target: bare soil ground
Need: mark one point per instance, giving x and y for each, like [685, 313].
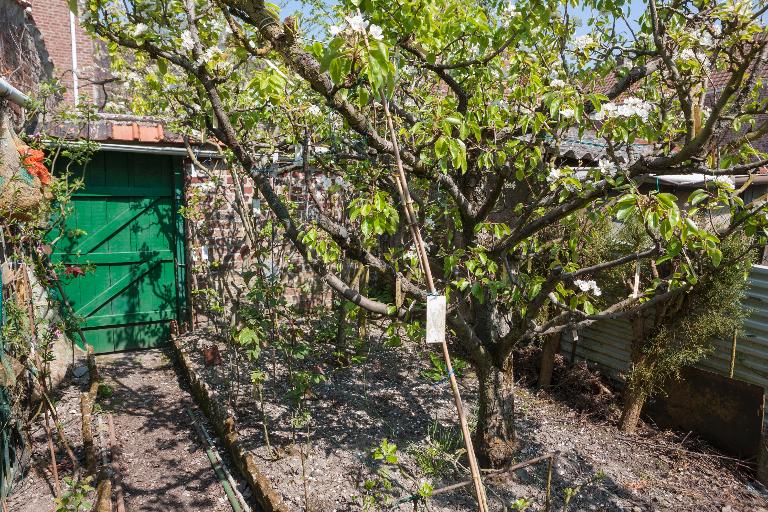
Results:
[164, 466]
[387, 396]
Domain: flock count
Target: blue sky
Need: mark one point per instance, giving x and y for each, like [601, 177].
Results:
[636, 9]
[288, 7]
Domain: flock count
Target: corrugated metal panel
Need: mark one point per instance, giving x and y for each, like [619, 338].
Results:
[607, 344]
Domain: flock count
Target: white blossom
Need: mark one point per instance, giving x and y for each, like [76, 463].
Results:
[557, 83]
[325, 183]
[376, 32]
[510, 10]
[582, 42]
[688, 55]
[429, 223]
[335, 30]
[139, 29]
[555, 174]
[567, 113]
[314, 110]
[607, 168]
[186, 40]
[720, 181]
[587, 286]
[630, 107]
[341, 182]
[205, 186]
[208, 55]
[357, 23]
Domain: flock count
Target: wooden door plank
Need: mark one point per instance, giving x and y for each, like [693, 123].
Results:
[116, 287]
[95, 239]
[112, 257]
[129, 318]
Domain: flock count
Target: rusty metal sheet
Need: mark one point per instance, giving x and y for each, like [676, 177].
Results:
[728, 413]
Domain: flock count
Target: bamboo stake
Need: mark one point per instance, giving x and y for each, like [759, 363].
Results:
[402, 186]
[733, 354]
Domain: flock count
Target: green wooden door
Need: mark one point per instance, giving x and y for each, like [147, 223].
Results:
[124, 232]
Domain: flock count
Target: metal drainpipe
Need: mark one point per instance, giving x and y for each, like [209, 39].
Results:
[8, 91]
[73, 44]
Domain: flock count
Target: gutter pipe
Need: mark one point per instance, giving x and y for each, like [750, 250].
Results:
[73, 47]
[7, 91]
[147, 149]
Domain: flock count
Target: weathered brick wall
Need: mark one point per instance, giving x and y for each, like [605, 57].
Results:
[53, 19]
[24, 61]
[219, 250]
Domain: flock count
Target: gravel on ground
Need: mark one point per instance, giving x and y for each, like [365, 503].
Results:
[388, 396]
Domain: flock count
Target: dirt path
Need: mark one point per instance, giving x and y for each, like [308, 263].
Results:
[164, 466]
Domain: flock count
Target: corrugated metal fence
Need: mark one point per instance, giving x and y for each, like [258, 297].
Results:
[607, 343]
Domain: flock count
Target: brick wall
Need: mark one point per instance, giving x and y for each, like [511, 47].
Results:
[24, 60]
[219, 252]
[53, 19]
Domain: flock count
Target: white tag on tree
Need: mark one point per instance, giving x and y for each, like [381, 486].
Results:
[435, 318]
[204, 252]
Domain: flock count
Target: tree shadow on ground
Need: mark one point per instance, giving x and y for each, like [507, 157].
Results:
[164, 465]
[387, 397]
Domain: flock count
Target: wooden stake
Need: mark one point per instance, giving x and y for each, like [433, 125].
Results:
[54, 468]
[89, 447]
[104, 486]
[733, 354]
[116, 452]
[402, 186]
[550, 466]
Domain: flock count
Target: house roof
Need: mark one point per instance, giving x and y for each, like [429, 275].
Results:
[589, 148]
[117, 128]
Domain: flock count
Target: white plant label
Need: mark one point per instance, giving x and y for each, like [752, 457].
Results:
[204, 252]
[435, 318]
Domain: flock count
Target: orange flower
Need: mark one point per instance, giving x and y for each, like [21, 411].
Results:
[32, 160]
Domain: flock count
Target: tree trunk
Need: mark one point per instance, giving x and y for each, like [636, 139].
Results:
[634, 396]
[634, 399]
[550, 347]
[495, 435]
[341, 326]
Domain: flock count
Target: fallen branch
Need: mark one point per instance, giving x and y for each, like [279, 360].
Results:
[116, 452]
[491, 472]
[104, 485]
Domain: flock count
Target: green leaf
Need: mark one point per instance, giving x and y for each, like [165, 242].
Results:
[667, 199]
[697, 196]
[715, 255]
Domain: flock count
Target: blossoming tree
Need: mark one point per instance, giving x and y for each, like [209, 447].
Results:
[482, 96]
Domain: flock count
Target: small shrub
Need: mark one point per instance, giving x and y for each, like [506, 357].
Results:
[74, 498]
[438, 454]
[439, 372]
[104, 391]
